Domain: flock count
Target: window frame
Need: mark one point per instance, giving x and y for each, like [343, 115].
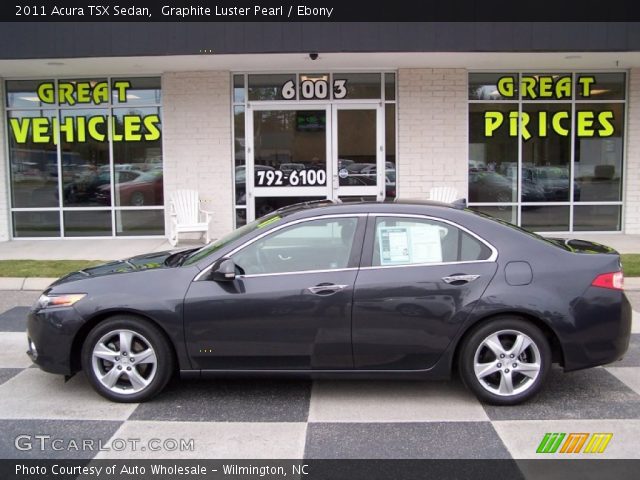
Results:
[368, 249]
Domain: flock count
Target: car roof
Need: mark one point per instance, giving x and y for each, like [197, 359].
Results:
[325, 207]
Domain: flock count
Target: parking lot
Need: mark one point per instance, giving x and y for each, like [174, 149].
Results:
[300, 419]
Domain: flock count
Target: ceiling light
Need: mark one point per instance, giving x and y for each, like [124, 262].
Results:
[30, 99]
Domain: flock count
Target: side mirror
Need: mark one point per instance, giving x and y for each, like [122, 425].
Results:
[224, 270]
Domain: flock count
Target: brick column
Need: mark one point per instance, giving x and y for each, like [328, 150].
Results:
[197, 141]
[632, 167]
[433, 131]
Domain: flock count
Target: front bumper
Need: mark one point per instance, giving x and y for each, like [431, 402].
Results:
[52, 331]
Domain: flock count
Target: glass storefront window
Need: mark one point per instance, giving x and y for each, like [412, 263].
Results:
[493, 159]
[136, 91]
[91, 223]
[239, 149]
[36, 224]
[24, 93]
[86, 175]
[33, 159]
[546, 154]
[565, 148]
[597, 217]
[389, 86]
[358, 85]
[270, 87]
[238, 89]
[139, 222]
[390, 170]
[493, 86]
[598, 159]
[67, 158]
[600, 86]
[545, 219]
[137, 157]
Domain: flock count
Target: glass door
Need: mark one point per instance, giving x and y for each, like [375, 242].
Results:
[358, 152]
[287, 156]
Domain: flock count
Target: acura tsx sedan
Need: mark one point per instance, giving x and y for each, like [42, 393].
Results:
[361, 290]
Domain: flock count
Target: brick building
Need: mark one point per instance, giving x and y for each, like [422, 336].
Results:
[102, 122]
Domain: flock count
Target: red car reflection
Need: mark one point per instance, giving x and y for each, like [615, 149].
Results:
[146, 189]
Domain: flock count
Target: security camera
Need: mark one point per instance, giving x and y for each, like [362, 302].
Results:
[313, 56]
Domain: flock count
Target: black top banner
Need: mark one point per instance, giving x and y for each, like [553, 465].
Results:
[319, 11]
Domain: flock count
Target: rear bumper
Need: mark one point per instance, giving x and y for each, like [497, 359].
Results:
[51, 332]
[602, 329]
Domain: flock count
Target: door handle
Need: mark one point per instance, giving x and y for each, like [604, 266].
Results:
[326, 289]
[459, 279]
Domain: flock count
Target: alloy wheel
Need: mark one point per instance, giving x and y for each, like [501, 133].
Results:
[124, 361]
[507, 363]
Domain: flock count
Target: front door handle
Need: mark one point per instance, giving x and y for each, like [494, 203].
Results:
[459, 279]
[325, 289]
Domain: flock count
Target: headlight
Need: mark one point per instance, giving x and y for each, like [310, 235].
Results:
[63, 300]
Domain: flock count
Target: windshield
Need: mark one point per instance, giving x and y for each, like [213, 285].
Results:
[231, 237]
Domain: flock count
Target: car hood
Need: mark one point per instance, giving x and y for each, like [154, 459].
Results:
[145, 261]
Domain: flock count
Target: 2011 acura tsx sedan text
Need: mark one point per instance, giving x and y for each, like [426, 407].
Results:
[364, 290]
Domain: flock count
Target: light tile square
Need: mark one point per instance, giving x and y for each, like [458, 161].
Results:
[630, 376]
[393, 401]
[13, 348]
[262, 440]
[523, 437]
[37, 394]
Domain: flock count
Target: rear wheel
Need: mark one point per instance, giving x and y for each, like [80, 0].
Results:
[127, 359]
[505, 361]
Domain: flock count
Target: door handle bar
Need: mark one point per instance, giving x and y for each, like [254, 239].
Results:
[460, 278]
[328, 289]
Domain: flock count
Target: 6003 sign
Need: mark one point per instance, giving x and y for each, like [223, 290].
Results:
[314, 89]
[294, 178]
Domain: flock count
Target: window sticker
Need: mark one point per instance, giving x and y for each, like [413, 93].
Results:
[394, 245]
[410, 244]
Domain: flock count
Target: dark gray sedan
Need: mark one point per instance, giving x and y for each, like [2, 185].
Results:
[376, 290]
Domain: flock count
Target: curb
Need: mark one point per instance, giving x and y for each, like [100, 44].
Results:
[25, 283]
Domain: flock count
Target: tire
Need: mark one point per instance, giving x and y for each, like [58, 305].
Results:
[102, 354]
[137, 199]
[484, 371]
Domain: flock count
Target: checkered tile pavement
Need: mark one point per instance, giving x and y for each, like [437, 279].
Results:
[298, 419]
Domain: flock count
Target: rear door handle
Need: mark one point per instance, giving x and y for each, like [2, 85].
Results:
[326, 289]
[459, 279]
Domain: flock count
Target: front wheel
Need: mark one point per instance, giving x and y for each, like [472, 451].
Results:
[127, 359]
[505, 361]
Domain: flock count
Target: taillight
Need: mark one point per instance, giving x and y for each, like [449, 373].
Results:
[612, 280]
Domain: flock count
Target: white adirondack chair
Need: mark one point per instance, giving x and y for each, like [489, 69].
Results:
[443, 194]
[187, 216]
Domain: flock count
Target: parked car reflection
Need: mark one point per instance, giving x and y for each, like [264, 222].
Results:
[145, 189]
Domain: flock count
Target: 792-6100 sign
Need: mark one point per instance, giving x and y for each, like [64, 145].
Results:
[295, 178]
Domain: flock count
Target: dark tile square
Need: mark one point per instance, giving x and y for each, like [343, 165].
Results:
[586, 394]
[441, 440]
[229, 401]
[14, 320]
[8, 373]
[63, 430]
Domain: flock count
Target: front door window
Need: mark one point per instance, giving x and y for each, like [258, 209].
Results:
[324, 244]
